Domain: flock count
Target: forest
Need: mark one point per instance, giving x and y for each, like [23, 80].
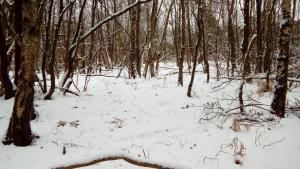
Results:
[136, 84]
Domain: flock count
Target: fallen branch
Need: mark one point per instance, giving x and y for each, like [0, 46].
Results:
[250, 105]
[174, 73]
[256, 77]
[114, 158]
[105, 76]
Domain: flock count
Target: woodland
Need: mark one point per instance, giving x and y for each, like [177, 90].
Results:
[149, 83]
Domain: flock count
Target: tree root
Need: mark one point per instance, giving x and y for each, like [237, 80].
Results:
[114, 158]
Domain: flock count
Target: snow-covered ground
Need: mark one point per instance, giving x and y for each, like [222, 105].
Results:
[154, 121]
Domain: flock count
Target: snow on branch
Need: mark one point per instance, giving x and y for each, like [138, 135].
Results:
[111, 17]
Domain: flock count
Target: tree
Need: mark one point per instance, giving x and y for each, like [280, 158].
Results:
[278, 103]
[7, 84]
[19, 130]
[183, 47]
[195, 54]
[246, 58]
[152, 40]
[259, 47]
[134, 38]
[231, 38]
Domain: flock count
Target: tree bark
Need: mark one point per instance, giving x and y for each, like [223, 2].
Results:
[152, 40]
[246, 58]
[231, 38]
[182, 51]
[18, 21]
[205, 58]
[278, 104]
[195, 54]
[53, 51]
[19, 130]
[133, 37]
[6, 83]
[259, 48]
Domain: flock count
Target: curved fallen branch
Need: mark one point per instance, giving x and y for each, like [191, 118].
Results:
[114, 158]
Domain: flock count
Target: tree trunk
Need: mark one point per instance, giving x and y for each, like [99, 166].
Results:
[133, 54]
[71, 53]
[6, 83]
[246, 58]
[18, 20]
[278, 104]
[182, 51]
[231, 37]
[137, 41]
[152, 40]
[19, 130]
[270, 10]
[53, 52]
[195, 54]
[259, 48]
[205, 58]
[162, 45]
[46, 46]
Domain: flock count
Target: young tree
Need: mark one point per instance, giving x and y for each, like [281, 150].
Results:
[19, 130]
[152, 40]
[246, 58]
[183, 47]
[259, 47]
[278, 103]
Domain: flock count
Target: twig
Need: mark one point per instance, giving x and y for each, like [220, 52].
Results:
[274, 143]
[221, 85]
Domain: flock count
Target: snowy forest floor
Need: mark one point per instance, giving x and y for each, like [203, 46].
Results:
[154, 121]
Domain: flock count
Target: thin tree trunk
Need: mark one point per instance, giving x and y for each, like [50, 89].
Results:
[46, 47]
[246, 58]
[182, 51]
[6, 83]
[205, 58]
[195, 55]
[162, 45]
[53, 51]
[259, 37]
[137, 41]
[71, 54]
[152, 40]
[133, 54]
[231, 38]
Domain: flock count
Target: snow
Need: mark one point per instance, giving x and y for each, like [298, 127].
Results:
[152, 120]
